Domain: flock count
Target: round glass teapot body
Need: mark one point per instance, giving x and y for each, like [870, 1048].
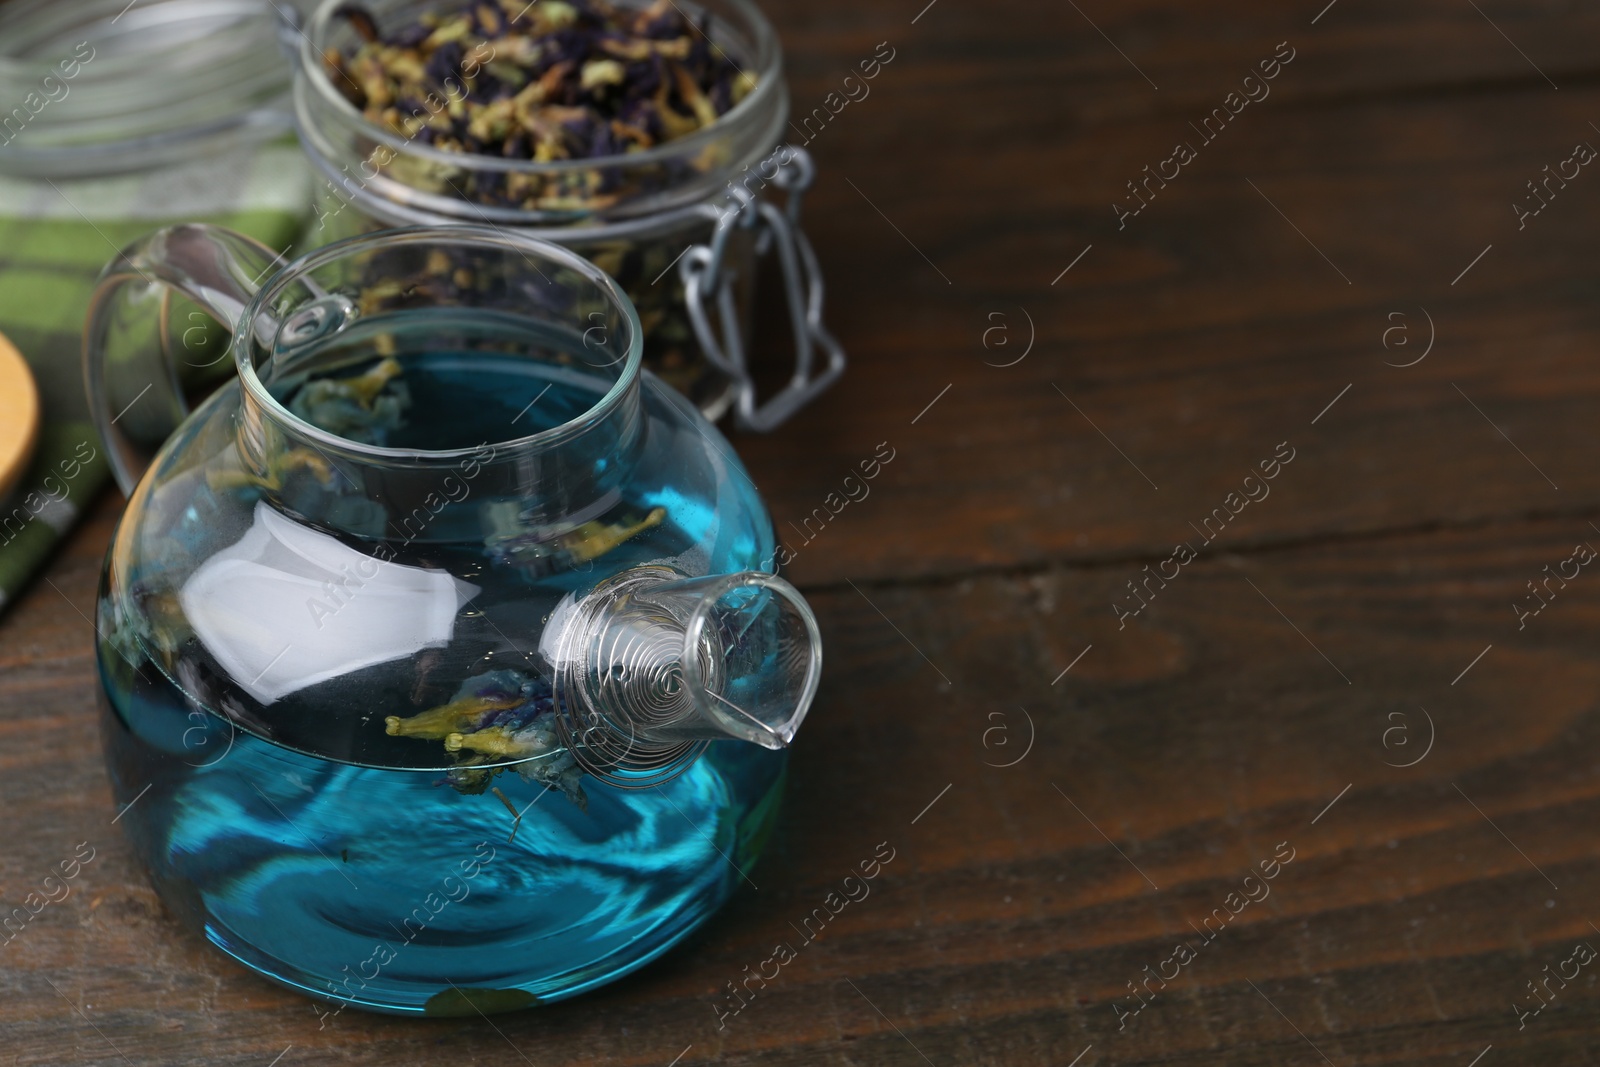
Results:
[443, 665]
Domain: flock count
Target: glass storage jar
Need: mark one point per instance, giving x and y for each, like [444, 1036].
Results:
[223, 82]
[680, 225]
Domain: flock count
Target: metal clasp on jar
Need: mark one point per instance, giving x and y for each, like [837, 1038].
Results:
[819, 360]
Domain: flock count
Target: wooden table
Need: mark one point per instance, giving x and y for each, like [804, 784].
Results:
[1340, 673]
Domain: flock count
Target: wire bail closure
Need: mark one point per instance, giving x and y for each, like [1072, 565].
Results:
[819, 359]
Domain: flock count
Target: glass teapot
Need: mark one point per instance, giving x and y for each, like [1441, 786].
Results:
[444, 668]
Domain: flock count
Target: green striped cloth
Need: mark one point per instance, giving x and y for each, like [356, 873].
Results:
[54, 238]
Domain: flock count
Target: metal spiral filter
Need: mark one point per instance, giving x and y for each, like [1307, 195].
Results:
[620, 688]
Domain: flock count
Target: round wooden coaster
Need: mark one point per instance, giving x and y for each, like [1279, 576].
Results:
[19, 416]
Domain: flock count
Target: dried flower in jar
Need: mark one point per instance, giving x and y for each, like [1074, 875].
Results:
[554, 81]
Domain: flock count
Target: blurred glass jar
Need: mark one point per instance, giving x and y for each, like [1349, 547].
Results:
[151, 83]
[681, 225]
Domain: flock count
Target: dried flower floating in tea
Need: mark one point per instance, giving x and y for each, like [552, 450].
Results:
[502, 714]
[552, 81]
[361, 408]
[541, 550]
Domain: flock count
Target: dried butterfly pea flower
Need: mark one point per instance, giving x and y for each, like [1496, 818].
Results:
[501, 714]
[360, 20]
[598, 72]
[362, 408]
[539, 550]
[547, 82]
[281, 466]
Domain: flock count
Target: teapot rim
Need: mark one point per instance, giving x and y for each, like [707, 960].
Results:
[488, 236]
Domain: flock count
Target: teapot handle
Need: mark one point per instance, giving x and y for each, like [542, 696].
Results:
[134, 375]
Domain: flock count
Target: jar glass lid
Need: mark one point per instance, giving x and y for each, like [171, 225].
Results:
[103, 86]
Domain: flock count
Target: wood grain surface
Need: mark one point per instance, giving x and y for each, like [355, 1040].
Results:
[1071, 796]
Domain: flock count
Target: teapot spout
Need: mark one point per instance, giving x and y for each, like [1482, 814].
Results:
[758, 656]
[652, 659]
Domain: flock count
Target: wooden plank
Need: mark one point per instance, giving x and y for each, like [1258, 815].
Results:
[1181, 350]
[1196, 739]
[1010, 70]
